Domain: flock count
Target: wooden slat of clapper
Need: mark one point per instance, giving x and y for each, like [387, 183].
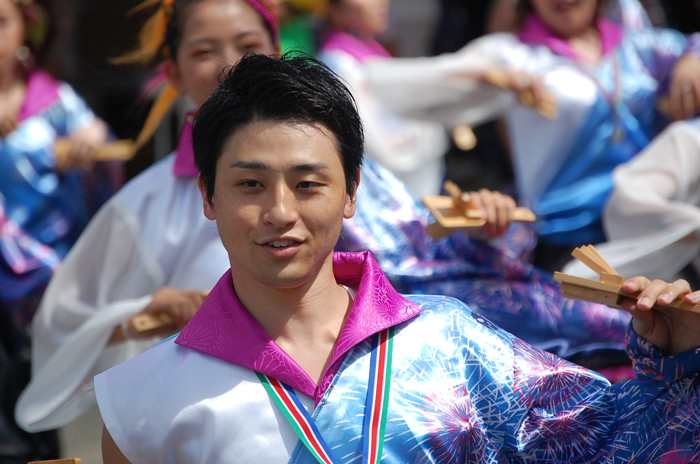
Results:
[58, 461]
[453, 213]
[609, 289]
[591, 251]
[145, 322]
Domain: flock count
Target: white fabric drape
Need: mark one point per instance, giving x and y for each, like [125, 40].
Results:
[152, 234]
[653, 215]
[445, 89]
[208, 411]
[413, 150]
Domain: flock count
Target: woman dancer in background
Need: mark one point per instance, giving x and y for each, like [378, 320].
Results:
[605, 79]
[45, 200]
[150, 249]
[412, 150]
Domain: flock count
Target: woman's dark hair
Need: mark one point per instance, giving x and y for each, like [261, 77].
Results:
[295, 89]
[524, 7]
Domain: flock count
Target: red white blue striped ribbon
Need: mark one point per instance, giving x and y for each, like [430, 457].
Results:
[376, 406]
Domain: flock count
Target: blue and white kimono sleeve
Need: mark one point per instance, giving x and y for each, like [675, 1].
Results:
[465, 391]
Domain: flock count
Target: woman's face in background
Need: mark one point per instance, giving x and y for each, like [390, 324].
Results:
[215, 35]
[566, 18]
[11, 34]
[365, 17]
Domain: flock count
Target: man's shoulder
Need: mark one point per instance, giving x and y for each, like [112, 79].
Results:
[447, 306]
[172, 397]
[446, 318]
[169, 363]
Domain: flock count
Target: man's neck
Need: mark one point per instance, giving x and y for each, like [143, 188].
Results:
[305, 321]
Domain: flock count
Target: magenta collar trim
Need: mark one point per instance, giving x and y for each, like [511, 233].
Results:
[359, 49]
[184, 154]
[535, 32]
[224, 329]
[42, 92]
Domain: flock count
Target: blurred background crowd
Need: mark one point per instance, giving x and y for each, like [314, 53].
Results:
[491, 94]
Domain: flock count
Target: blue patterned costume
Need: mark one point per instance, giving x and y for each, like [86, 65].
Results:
[48, 208]
[492, 280]
[462, 391]
[465, 391]
[606, 112]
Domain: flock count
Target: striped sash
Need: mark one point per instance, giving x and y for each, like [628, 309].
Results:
[376, 406]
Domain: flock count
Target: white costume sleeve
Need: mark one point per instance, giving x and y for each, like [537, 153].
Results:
[436, 88]
[108, 276]
[152, 234]
[653, 215]
[413, 150]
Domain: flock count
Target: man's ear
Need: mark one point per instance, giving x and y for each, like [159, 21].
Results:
[351, 200]
[174, 75]
[209, 210]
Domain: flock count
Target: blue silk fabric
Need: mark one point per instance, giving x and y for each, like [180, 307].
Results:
[464, 391]
[43, 211]
[492, 280]
[570, 209]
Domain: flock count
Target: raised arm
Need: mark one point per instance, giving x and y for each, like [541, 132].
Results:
[448, 88]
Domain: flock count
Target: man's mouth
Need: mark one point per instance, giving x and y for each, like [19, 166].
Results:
[281, 243]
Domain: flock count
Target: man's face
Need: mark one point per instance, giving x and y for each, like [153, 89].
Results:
[279, 202]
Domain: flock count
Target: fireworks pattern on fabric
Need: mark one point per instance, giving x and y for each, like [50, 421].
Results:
[464, 391]
[492, 280]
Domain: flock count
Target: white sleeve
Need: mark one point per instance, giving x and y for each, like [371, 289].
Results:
[653, 214]
[412, 149]
[108, 276]
[428, 88]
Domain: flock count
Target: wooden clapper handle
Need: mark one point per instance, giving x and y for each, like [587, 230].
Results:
[607, 290]
[146, 322]
[454, 213]
[122, 150]
[58, 461]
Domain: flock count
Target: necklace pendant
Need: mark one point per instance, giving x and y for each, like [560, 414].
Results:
[618, 134]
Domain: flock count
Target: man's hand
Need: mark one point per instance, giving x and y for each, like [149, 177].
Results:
[179, 305]
[496, 208]
[672, 330]
[684, 89]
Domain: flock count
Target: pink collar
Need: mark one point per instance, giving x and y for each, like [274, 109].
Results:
[184, 154]
[359, 49]
[535, 32]
[42, 92]
[223, 328]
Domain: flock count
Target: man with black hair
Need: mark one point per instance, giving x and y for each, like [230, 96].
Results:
[302, 355]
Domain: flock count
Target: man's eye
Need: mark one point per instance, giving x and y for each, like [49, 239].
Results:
[251, 184]
[308, 184]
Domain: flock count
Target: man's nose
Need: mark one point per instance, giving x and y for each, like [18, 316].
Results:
[281, 210]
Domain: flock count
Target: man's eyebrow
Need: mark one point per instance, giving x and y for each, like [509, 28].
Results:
[310, 167]
[250, 165]
[258, 166]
